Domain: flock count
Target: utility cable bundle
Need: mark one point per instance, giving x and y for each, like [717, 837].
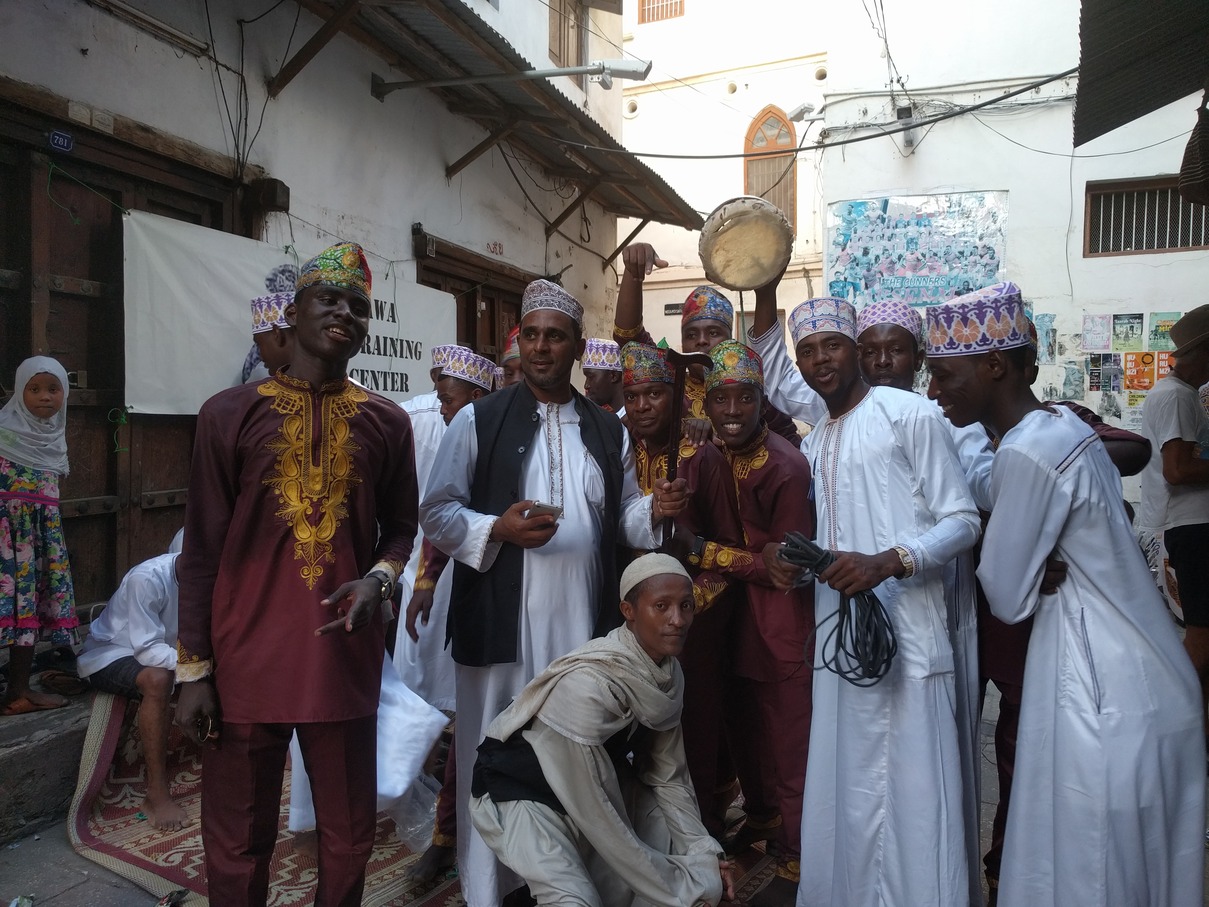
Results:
[860, 647]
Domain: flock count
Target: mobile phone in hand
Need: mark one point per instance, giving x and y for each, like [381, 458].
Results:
[540, 509]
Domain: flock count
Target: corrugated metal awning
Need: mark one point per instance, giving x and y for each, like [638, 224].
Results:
[1136, 56]
[438, 39]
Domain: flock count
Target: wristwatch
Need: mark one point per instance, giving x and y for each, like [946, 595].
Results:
[387, 587]
[694, 556]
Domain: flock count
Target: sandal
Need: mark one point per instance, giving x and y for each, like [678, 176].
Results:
[22, 706]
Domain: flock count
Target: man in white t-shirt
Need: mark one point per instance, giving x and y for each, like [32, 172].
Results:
[1175, 483]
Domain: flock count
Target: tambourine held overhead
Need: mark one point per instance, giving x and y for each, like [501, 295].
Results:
[745, 243]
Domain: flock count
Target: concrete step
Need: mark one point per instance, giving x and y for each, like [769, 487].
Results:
[39, 763]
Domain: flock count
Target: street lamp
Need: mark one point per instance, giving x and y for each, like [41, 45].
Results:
[802, 113]
[602, 71]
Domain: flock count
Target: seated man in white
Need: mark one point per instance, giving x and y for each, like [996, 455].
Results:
[131, 651]
[581, 786]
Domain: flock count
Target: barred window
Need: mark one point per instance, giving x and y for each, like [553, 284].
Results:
[1142, 216]
[658, 10]
[774, 177]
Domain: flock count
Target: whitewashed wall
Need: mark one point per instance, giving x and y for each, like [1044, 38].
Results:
[358, 168]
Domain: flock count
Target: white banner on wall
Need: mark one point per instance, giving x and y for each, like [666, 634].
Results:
[189, 325]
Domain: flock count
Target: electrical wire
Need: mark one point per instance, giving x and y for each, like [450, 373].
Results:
[861, 645]
[913, 124]
[285, 56]
[1080, 156]
[546, 221]
[262, 15]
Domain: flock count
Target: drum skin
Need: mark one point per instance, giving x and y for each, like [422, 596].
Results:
[745, 243]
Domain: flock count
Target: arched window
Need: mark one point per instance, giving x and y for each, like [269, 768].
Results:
[774, 177]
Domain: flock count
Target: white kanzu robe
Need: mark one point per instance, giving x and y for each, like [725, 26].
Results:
[790, 393]
[1110, 758]
[883, 816]
[558, 597]
[426, 666]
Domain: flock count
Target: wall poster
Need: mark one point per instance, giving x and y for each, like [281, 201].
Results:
[922, 249]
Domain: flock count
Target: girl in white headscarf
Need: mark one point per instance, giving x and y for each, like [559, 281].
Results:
[36, 595]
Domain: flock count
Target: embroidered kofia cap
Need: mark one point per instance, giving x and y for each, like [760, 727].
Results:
[269, 311]
[706, 302]
[544, 294]
[642, 363]
[470, 367]
[602, 354]
[342, 266]
[441, 354]
[891, 311]
[816, 316]
[734, 363]
[499, 377]
[512, 347]
[988, 319]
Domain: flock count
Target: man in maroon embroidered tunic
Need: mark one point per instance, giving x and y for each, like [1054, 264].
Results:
[770, 705]
[711, 515]
[300, 484]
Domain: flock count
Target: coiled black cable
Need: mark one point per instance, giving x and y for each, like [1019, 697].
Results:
[861, 645]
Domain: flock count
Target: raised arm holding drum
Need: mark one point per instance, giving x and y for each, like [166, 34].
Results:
[736, 244]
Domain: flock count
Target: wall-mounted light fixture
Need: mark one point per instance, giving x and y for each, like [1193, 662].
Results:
[602, 71]
[802, 113]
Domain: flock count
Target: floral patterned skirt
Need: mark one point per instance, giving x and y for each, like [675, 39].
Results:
[36, 595]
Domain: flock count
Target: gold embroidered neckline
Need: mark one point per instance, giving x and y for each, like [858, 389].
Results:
[752, 456]
[313, 494]
[335, 386]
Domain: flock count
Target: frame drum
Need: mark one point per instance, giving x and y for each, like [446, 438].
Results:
[745, 243]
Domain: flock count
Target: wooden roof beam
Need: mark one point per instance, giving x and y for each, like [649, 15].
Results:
[318, 41]
[625, 242]
[495, 136]
[584, 192]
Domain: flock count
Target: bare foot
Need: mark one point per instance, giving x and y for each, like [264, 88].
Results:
[432, 863]
[46, 700]
[164, 813]
[306, 844]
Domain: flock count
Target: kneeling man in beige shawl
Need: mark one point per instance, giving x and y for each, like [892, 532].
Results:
[581, 785]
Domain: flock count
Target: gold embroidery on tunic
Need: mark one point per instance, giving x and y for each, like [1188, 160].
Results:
[744, 464]
[706, 592]
[694, 390]
[313, 495]
[647, 468]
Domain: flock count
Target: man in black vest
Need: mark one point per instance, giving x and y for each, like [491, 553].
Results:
[531, 494]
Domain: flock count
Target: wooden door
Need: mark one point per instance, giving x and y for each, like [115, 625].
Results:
[61, 296]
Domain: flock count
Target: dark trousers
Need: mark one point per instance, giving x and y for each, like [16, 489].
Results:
[706, 676]
[770, 740]
[241, 804]
[445, 825]
[1005, 761]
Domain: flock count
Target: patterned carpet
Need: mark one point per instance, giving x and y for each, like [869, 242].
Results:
[106, 826]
